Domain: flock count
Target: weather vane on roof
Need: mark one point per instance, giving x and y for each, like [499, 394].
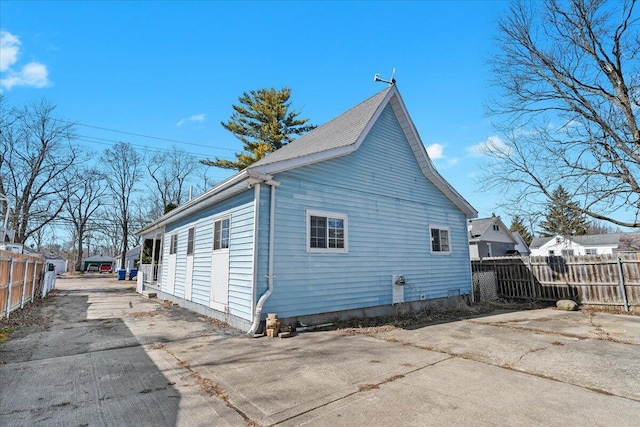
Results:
[390, 82]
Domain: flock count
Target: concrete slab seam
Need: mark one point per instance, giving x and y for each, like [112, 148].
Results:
[208, 386]
[598, 336]
[507, 367]
[362, 388]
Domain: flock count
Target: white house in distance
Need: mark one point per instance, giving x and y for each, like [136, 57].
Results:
[595, 244]
[348, 219]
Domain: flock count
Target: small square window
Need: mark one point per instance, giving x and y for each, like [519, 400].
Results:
[440, 240]
[326, 232]
[591, 251]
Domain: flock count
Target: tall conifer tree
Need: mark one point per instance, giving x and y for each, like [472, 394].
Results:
[264, 122]
[564, 216]
[517, 226]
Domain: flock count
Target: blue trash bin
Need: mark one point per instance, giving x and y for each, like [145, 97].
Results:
[133, 273]
[122, 273]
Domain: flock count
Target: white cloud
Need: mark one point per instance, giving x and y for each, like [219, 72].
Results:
[34, 74]
[489, 145]
[196, 118]
[435, 151]
[9, 47]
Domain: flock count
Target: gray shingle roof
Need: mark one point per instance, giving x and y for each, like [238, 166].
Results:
[480, 225]
[342, 131]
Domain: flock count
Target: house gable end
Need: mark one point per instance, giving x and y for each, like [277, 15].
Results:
[366, 121]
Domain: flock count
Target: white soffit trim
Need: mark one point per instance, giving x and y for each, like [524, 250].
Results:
[423, 159]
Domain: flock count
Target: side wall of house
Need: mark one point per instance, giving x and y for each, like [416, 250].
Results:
[241, 211]
[390, 207]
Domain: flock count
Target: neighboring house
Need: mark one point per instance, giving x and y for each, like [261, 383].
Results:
[6, 234]
[521, 246]
[489, 237]
[132, 257]
[59, 262]
[90, 264]
[349, 217]
[594, 244]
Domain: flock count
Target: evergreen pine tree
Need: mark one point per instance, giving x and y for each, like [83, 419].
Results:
[264, 122]
[563, 216]
[517, 226]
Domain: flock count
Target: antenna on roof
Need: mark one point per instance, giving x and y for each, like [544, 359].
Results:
[390, 82]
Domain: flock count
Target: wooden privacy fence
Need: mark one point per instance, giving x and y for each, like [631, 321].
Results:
[20, 277]
[612, 280]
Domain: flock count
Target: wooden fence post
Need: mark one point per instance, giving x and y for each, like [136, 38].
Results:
[8, 307]
[24, 282]
[33, 281]
[622, 288]
[531, 279]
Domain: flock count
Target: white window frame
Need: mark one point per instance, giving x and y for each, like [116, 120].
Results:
[591, 251]
[173, 244]
[213, 242]
[191, 241]
[440, 228]
[327, 215]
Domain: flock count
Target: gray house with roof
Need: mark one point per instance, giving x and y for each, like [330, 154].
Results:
[489, 237]
[350, 218]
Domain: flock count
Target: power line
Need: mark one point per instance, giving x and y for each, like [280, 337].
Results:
[152, 137]
[157, 138]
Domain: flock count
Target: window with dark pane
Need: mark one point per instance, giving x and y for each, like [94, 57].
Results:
[221, 234]
[318, 232]
[190, 239]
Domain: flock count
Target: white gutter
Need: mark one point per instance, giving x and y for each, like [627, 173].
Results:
[272, 226]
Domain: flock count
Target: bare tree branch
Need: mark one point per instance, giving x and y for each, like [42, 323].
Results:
[568, 74]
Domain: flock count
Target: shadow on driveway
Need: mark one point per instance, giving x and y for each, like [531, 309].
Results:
[78, 371]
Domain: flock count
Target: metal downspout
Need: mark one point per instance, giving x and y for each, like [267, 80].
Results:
[256, 240]
[266, 295]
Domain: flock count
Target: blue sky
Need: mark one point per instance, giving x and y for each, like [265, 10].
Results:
[173, 69]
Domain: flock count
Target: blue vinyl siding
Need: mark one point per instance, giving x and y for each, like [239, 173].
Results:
[390, 206]
[241, 210]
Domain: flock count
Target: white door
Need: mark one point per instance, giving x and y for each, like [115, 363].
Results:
[219, 298]
[189, 279]
[171, 264]
[171, 274]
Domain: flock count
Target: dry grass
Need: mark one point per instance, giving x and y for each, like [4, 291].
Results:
[139, 314]
[4, 333]
[367, 387]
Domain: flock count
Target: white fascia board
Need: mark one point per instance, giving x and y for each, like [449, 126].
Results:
[322, 156]
[424, 161]
[217, 193]
[310, 159]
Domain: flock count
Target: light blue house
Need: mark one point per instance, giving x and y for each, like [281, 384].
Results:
[348, 219]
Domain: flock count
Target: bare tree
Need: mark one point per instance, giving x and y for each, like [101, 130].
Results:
[169, 173]
[568, 74]
[36, 151]
[123, 173]
[86, 194]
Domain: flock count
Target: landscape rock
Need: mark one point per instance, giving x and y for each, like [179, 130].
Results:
[567, 305]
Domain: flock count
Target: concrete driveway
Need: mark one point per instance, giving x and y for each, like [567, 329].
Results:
[107, 357]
